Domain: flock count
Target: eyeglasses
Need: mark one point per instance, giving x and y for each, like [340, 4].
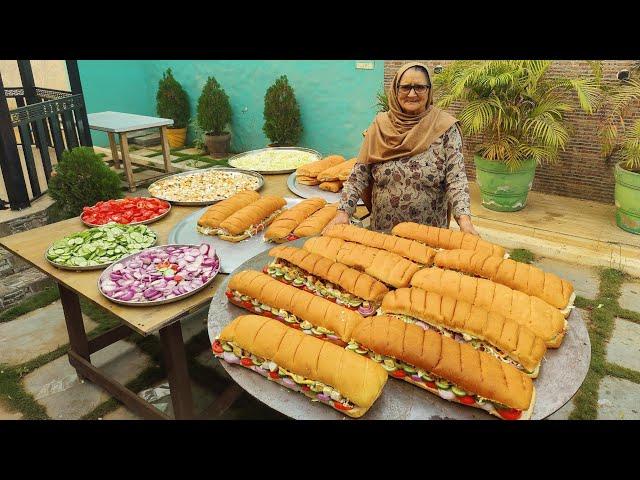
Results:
[419, 88]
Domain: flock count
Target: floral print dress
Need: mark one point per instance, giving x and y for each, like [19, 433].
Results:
[414, 189]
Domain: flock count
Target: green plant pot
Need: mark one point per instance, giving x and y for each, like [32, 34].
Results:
[627, 197]
[503, 190]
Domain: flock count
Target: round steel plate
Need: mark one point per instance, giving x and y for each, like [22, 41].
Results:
[233, 159]
[155, 302]
[195, 172]
[309, 191]
[562, 372]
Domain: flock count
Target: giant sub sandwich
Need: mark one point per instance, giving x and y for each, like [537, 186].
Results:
[485, 331]
[316, 222]
[445, 238]
[332, 280]
[250, 220]
[281, 230]
[454, 371]
[546, 321]
[346, 381]
[313, 169]
[316, 316]
[209, 222]
[517, 275]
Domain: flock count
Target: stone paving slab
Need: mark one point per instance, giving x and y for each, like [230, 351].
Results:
[618, 400]
[8, 414]
[624, 346]
[56, 385]
[630, 296]
[193, 151]
[585, 280]
[35, 333]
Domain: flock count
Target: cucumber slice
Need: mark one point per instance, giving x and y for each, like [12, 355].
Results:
[425, 375]
[244, 298]
[388, 368]
[288, 277]
[279, 273]
[458, 391]
[297, 282]
[271, 270]
[352, 346]
[355, 302]
[227, 348]
[443, 384]
[409, 369]
[360, 351]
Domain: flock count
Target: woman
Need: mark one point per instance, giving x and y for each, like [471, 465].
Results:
[410, 166]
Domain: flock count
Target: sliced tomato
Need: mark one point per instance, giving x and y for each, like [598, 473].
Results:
[399, 373]
[306, 388]
[266, 313]
[217, 348]
[340, 406]
[274, 375]
[431, 385]
[246, 362]
[467, 400]
[124, 220]
[247, 305]
[228, 293]
[510, 413]
[295, 325]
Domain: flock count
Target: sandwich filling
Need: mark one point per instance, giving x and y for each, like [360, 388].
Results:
[435, 384]
[475, 342]
[317, 391]
[249, 232]
[292, 275]
[289, 319]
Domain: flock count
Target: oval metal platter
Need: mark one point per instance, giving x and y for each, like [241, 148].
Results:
[240, 156]
[309, 191]
[146, 222]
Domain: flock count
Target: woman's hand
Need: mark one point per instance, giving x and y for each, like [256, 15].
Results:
[464, 222]
[340, 219]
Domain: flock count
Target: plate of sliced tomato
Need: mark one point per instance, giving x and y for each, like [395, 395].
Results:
[126, 211]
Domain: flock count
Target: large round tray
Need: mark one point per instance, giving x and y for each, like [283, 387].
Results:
[93, 267]
[155, 302]
[309, 191]
[146, 222]
[273, 172]
[563, 371]
[193, 172]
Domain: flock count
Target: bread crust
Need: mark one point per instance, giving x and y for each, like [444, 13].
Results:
[357, 378]
[313, 169]
[288, 220]
[544, 320]
[334, 186]
[410, 249]
[350, 280]
[304, 305]
[515, 340]
[217, 213]
[311, 181]
[388, 267]
[445, 238]
[333, 173]
[316, 222]
[516, 275]
[474, 371]
[252, 214]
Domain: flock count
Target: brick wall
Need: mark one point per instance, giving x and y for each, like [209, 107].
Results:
[581, 171]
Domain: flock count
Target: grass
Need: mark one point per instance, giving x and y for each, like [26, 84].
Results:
[38, 300]
[522, 255]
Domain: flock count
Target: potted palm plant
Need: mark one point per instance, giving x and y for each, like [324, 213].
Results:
[281, 114]
[214, 114]
[517, 112]
[172, 102]
[621, 139]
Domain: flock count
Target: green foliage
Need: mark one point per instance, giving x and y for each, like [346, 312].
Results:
[172, 100]
[617, 133]
[522, 255]
[514, 106]
[81, 179]
[382, 104]
[214, 109]
[282, 123]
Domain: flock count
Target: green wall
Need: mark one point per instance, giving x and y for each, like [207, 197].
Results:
[337, 101]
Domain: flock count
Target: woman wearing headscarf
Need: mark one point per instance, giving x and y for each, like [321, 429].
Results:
[410, 166]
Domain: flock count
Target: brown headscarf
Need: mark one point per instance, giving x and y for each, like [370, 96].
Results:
[395, 134]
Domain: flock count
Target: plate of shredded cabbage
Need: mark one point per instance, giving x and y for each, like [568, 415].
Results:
[274, 160]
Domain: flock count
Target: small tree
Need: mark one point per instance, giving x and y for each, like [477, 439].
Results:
[172, 100]
[282, 114]
[214, 109]
[82, 179]
[383, 102]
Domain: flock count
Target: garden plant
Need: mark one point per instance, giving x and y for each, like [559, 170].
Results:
[173, 102]
[214, 114]
[282, 124]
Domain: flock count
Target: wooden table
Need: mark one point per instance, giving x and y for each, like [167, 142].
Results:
[122, 124]
[31, 246]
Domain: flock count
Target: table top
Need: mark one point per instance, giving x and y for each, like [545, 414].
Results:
[117, 122]
[32, 244]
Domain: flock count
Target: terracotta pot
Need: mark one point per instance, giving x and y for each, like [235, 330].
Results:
[177, 137]
[218, 145]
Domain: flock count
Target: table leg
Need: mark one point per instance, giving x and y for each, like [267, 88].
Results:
[78, 341]
[166, 153]
[124, 146]
[175, 361]
[114, 150]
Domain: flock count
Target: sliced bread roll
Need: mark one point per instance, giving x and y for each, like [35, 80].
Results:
[313, 169]
[217, 213]
[288, 221]
[253, 214]
[316, 222]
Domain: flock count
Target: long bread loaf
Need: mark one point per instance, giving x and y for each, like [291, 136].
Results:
[288, 221]
[220, 211]
[252, 214]
[316, 222]
[313, 169]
